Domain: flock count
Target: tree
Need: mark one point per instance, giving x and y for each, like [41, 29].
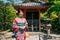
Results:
[7, 14]
[10, 15]
[2, 7]
[54, 14]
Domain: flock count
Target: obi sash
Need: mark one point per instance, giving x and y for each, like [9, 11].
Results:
[22, 25]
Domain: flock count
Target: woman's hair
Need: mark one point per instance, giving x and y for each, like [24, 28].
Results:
[18, 11]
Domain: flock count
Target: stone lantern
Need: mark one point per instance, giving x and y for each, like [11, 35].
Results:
[48, 25]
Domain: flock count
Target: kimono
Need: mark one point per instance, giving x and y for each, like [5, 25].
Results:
[17, 23]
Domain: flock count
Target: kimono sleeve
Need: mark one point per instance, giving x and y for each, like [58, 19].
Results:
[14, 25]
[26, 24]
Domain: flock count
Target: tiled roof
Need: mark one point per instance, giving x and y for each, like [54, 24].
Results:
[33, 4]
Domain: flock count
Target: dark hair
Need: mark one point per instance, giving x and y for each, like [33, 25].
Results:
[18, 11]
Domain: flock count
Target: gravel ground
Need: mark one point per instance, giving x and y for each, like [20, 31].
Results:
[32, 37]
[8, 36]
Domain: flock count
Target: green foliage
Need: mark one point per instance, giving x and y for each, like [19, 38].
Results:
[54, 14]
[51, 1]
[43, 15]
[10, 15]
[1, 14]
[7, 14]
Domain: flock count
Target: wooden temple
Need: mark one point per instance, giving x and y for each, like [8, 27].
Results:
[32, 12]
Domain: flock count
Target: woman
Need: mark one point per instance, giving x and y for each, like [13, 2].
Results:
[20, 25]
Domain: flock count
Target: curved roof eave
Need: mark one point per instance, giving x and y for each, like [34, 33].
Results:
[33, 4]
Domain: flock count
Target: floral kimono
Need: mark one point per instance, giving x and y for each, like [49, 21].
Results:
[17, 23]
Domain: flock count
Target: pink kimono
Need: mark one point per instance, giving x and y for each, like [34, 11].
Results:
[19, 35]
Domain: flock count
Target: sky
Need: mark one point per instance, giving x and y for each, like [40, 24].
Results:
[4, 0]
[16, 1]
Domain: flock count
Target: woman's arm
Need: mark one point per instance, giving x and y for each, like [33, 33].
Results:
[14, 26]
[26, 24]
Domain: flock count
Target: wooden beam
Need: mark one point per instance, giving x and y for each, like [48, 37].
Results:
[46, 0]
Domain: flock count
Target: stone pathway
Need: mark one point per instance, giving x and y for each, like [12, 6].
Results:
[8, 36]
[32, 37]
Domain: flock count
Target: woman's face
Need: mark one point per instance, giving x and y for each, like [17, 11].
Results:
[21, 14]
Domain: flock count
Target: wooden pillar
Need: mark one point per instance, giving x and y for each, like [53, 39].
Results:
[32, 23]
[24, 13]
[39, 21]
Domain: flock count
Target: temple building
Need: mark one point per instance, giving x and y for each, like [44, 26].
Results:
[32, 12]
